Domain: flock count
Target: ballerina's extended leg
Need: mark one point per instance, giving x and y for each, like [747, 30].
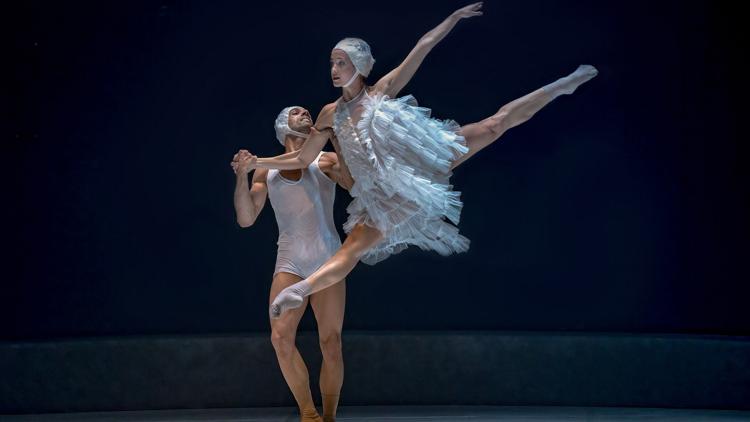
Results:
[483, 133]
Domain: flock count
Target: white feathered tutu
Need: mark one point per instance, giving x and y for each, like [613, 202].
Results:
[400, 159]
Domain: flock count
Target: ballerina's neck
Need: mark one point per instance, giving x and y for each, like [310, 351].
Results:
[356, 98]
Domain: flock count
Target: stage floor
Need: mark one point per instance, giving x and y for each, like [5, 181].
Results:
[403, 414]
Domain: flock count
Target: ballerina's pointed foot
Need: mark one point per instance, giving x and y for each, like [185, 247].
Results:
[586, 71]
[290, 298]
[568, 84]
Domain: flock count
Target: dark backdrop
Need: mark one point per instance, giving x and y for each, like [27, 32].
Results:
[620, 208]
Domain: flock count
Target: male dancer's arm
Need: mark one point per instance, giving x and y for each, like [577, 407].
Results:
[330, 165]
[392, 83]
[248, 200]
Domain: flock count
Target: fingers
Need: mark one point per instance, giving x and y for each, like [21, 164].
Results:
[241, 153]
[243, 159]
[471, 10]
[248, 159]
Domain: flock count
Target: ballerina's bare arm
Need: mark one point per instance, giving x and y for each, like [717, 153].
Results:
[310, 149]
[291, 154]
[392, 83]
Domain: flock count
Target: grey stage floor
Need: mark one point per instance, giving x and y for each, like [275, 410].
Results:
[403, 414]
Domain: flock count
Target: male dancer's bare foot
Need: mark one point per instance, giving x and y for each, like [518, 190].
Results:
[310, 415]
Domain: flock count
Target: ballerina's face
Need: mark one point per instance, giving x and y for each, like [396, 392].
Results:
[300, 120]
[342, 68]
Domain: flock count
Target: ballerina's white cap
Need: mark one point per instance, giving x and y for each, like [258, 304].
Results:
[359, 54]
[282, 125]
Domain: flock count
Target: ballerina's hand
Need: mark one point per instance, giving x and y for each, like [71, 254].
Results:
[252, 161]
[236, 159]
[469, 11]
[243, 162]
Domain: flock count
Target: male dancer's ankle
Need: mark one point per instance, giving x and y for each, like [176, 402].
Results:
[330, 403]
[309, 415]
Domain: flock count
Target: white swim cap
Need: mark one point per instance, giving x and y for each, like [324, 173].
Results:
[282, 125]
[359, 54]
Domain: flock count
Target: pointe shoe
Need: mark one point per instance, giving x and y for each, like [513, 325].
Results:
[282, 304]
[587, 70]
[290, 298]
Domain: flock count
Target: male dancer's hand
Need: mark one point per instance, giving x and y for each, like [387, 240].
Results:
[243, 162]
[236, 160]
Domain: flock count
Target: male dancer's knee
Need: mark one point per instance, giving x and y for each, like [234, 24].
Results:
[283, 343]
[330, 346]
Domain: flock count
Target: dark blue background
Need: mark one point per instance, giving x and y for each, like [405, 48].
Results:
[620, 208]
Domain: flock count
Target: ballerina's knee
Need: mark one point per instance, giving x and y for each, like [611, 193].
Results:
[359, 241]
[498, 123]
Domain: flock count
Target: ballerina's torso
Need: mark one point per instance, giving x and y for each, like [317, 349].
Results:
[354, 106]
[352, 109]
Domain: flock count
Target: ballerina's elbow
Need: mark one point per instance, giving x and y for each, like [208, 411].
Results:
[426, 42]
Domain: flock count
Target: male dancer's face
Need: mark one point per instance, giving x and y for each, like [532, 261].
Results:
[300, 120]
[342, 68]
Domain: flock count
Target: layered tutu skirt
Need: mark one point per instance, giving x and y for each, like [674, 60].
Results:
[400, 159]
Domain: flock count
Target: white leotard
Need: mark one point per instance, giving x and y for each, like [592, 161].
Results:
[304, 214]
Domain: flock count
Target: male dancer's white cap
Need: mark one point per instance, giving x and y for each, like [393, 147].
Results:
[282, 125]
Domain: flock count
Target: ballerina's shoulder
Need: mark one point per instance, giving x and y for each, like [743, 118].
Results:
[325, 118]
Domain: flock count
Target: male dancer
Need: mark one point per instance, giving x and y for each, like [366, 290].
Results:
[302, 200]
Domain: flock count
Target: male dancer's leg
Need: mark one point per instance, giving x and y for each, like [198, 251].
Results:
[328, 306]
[283, 335]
